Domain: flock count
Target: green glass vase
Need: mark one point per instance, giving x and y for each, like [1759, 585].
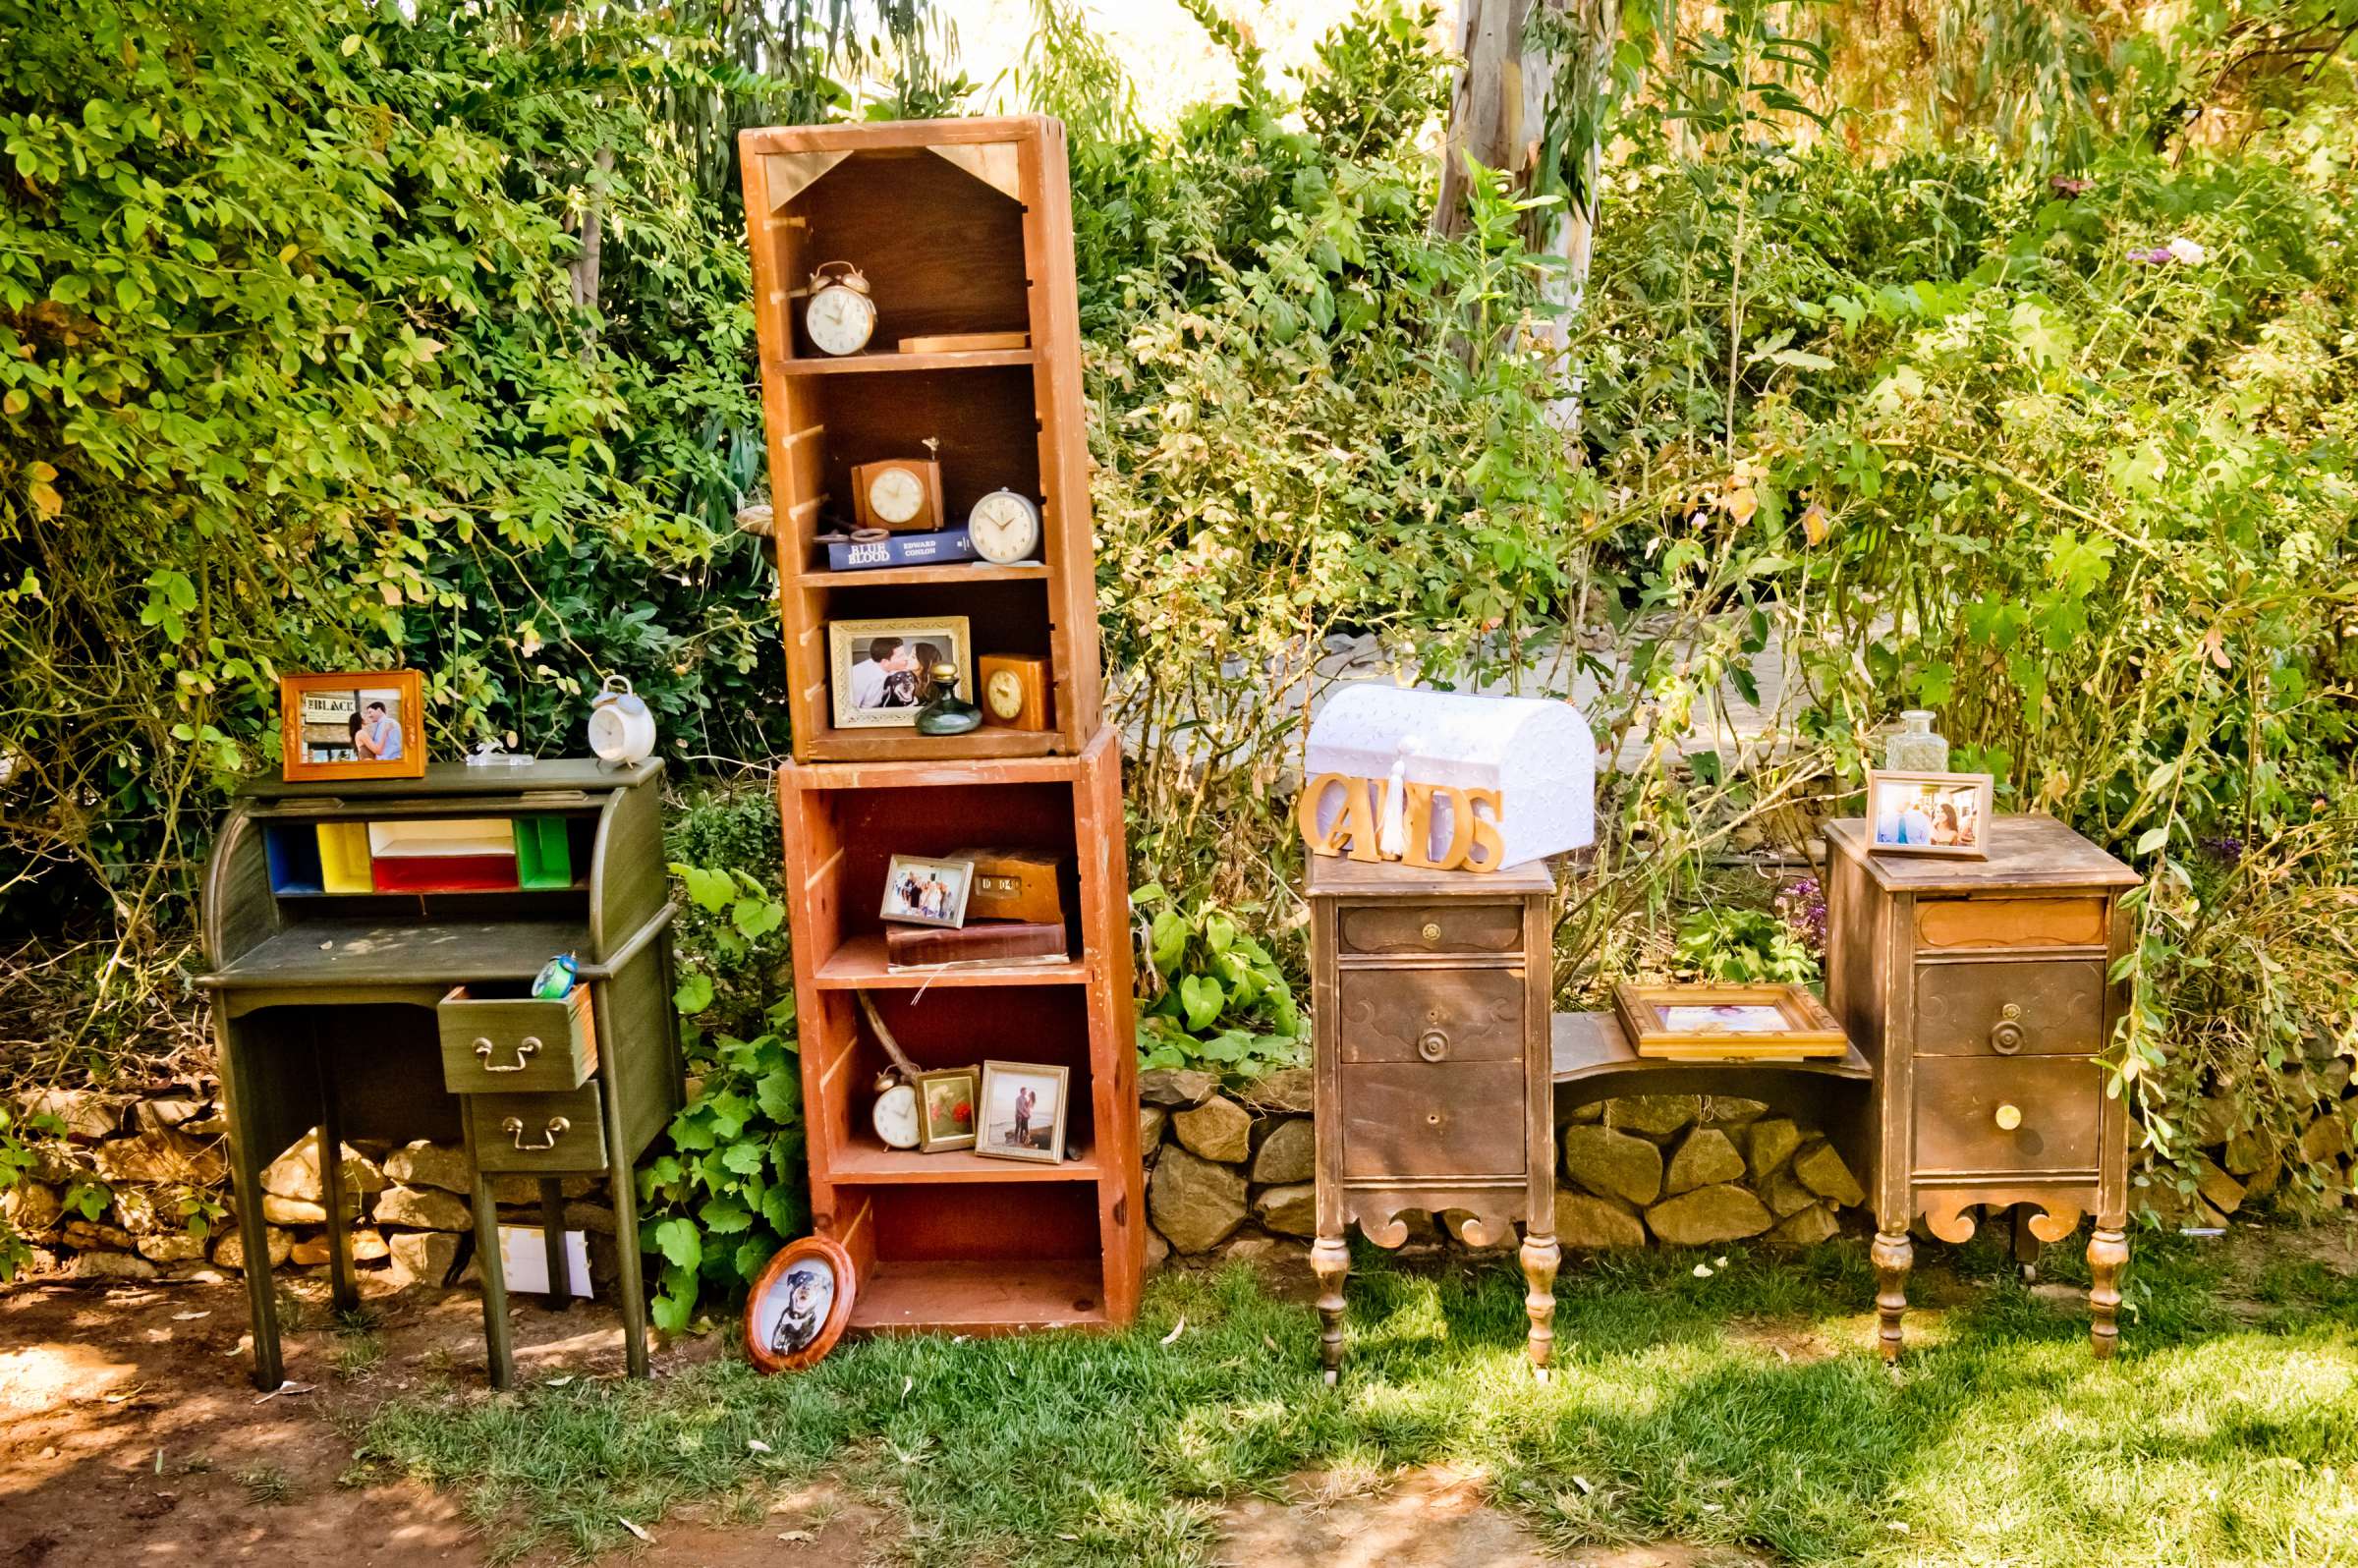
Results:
[945, 712]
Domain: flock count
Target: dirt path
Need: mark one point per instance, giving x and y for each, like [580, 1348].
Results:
[129, 1433]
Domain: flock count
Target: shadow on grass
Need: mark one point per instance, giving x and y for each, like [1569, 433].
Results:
[2214, 1439]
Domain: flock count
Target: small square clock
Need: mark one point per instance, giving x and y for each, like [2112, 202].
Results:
[1014, 692]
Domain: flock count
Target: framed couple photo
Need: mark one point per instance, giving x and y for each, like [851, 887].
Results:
[369, 724]
[1022, 1110]
[1930, 814]
[878, 669]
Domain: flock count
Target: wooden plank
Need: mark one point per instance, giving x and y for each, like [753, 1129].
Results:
[982, 1298]
[870, 1164]
[902, 361]
[2026, 851]
[344, 953]
[956, 572]
[859, 965]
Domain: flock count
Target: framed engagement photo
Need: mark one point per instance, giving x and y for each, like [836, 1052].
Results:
[877, 668]
[369, 724]
[1929, 814]
[1714, 1023]
[1021, 1112]
[922, 890]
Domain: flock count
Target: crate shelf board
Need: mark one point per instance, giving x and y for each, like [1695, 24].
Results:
[904, 575]
[984, 1296]
[886, 359]
[859, 965]
[865, 1162]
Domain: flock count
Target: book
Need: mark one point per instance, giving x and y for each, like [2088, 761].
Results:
[976, 943]
[943, 546]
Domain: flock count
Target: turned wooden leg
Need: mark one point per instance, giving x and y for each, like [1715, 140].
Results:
[1330, 1261]
[2107, 1253]
[1892, 1254]
[1541, 1255]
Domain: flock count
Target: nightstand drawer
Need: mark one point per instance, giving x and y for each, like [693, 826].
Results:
[1432, 1119]
[539, 1134]
[2010, 1008]
[1963, 1107]
[1430, 927]
[1431, 1015]
[510, 1044]
[1969, 923]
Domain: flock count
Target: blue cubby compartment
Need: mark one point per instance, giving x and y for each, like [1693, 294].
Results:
[294, 854]
[544, 852]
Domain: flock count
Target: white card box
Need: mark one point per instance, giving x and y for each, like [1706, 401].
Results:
[1537, 753]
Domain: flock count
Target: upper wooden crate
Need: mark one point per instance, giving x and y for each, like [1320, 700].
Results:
[960, 226]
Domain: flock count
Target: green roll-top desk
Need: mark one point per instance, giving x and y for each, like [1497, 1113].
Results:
[372, 946]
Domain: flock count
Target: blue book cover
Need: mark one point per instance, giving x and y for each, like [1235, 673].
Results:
[901, 550]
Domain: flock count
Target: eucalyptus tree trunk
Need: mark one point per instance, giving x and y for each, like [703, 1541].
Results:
[1529, 98]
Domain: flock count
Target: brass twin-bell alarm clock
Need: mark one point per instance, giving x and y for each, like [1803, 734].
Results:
[841, 316]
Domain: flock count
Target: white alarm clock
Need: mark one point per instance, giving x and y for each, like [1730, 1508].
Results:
[1005, 528]
[621, 729]
[841, 316]
[895, 1115]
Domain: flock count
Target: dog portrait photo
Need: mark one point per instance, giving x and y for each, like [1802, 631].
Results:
[879, 669]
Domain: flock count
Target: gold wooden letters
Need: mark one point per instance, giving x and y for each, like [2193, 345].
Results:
[1356, 830]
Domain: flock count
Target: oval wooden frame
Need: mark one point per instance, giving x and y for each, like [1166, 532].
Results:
[838, 1314]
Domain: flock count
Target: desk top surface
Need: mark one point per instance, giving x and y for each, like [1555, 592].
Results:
[456, 778]
[329, 953]
[2025, 851]
[1339, 876]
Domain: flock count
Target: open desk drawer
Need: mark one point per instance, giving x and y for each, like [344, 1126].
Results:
[516, 1043]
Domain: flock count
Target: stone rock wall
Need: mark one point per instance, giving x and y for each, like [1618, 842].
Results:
[1234, 1173]
[411, 1200]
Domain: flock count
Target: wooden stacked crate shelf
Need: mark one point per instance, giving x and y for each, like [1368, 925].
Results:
[959, 226]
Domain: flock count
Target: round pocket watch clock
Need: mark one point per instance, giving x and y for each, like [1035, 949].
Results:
[840, 317]
[621, 729]
[1005, 528]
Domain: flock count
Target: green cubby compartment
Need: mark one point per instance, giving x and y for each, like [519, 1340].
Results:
[543, 852]
[342, 853]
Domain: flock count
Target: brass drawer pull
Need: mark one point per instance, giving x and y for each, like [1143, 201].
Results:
[2006, 1035]
[1432, 931]
[1432, 1044]
[524, 1049]
[2009, 1117]
[513, 1128]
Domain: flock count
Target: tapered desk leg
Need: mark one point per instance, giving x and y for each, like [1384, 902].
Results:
[1893, 1256]
[2107, 1255]
[630, 1281]
[1330, 1261]
[498, 1357]
[552, 1238]
[1541, 1256]
[343, 1286]
[254, 1232]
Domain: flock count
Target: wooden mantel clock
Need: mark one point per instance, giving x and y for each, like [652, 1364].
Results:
[1981, 990]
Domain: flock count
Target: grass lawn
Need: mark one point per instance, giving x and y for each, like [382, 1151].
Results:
[1746, 1409]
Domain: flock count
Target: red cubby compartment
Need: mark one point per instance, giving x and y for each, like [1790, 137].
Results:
[442, 855]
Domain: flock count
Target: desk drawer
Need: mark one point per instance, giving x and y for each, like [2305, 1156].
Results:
[1431, 1119]
[512, 1045]
[1970, 922]
[539, 1133]
[1960, 1102]
[1431, 1015]
[1430, 927]
[2049, 1007]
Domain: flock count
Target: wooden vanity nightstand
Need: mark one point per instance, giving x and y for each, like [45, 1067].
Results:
[1434, 1069]
[1980, 991]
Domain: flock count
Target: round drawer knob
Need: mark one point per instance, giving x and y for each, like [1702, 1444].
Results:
[2006, 1035]
[2009, 1117]
[1432, 1044]
[1433, 930]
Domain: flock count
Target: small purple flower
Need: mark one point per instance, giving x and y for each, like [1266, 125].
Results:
[2069, 186]
[2157, 256]
[1801, 905]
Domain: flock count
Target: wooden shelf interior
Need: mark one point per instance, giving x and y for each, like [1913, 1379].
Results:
[853, 834]
[943, 252]
[382, 857]
[974, 1258]
[978, 1297]
[944, 1027]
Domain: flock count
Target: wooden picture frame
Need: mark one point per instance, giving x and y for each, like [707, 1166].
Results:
[1778, 1023]
[900, 909]
[1951, 804]
[310, 707]
[777, 1337]
[864, 703]
[1022, 1139]
[937, 1134]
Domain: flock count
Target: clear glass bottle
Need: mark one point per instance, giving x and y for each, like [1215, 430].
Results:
[1915, 747]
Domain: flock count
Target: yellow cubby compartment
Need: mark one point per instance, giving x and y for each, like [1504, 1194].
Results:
[344, 861]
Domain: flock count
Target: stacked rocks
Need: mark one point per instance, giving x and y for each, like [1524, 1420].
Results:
[1695, 1170]
[1223, 1168]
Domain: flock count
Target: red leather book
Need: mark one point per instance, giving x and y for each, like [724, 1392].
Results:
[976, 943]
